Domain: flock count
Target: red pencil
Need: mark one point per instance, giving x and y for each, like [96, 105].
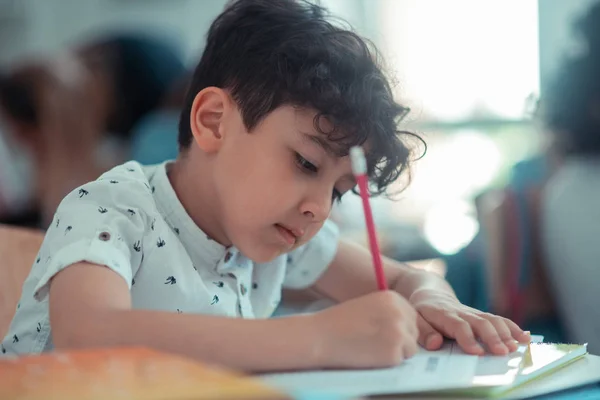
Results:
[359, 168]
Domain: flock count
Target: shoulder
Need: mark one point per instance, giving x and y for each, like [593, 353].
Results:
[124, 187]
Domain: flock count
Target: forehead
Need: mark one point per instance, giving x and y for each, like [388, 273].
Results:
[319, 129]
[309, 126]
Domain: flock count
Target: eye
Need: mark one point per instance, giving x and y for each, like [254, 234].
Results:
[306, 165]
[336, 196]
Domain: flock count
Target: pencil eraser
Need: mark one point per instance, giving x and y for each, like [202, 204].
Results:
[357, 158]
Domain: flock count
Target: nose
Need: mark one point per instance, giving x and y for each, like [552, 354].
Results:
[317, 205]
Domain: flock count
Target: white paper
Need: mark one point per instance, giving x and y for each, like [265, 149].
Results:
[425, 371]
[446, 369]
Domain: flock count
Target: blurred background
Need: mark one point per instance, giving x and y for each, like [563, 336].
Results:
[88, 84]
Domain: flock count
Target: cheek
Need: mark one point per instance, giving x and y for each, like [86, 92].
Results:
[311, 231]
[248, 196]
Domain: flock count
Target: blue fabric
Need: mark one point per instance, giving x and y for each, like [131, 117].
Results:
[525, 175]
[587, 392]
[154, 138]
[465, 272]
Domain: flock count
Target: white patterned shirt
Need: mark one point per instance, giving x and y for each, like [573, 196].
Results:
[131, 221]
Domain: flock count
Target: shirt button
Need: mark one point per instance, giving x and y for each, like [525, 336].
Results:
[104, 236]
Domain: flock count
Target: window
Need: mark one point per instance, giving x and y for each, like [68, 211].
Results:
[469, 70]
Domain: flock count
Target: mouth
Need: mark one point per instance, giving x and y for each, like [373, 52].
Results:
[289, 235]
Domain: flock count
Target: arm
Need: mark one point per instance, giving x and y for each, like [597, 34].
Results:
[90, 306]
[351, 275]
[439, 312]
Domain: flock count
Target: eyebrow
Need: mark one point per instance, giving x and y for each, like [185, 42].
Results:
[322, 143]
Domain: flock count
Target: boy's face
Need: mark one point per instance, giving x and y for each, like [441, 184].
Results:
[276, 184]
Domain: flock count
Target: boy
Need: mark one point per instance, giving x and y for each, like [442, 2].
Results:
[164, 256]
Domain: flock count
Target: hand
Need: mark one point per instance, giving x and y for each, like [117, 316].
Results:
[441, 314]
[376, 330]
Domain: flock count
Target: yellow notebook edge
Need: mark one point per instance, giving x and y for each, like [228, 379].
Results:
[548, 370]
[497, 391]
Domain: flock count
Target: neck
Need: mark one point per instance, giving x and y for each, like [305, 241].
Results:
[193, 191]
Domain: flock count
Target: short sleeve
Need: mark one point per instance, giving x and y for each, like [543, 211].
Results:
[307, 263]
[102, 222]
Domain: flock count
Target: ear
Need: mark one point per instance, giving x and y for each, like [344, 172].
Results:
[207, 118]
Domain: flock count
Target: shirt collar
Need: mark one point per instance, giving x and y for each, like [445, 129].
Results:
[197, 243]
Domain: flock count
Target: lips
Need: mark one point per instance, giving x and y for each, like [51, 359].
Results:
[289, 234]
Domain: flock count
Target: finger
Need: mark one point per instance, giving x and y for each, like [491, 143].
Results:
[429, 337]
[460, 330]
[410, 316]
[517, 333]
[411, 347]
[487, 332]
[503, 331]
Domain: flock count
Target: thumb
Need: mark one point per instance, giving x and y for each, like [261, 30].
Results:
[429, 338]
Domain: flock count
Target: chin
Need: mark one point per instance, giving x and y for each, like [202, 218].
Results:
[261, 254]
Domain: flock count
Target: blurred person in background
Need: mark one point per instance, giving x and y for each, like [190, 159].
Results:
[66, 119]
[570, 209]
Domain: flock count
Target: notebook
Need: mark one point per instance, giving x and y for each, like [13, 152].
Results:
[448, 371]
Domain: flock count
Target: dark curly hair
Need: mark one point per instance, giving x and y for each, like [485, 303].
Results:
[570, 103]
[270, 53]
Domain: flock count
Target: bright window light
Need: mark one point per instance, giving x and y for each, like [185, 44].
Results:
[462, 59]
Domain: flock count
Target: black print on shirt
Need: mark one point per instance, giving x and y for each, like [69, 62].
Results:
[215, 300]
[130, 169]
[57, 222]
[137, 246]
[39, 327]
[171, 280]
[113, 182]
[130, 211]
[102, 210]
[160, 242]
[152, 225]
[15, 339]
[255, 285]
[219, 284]
[83, 192]
[68, 229]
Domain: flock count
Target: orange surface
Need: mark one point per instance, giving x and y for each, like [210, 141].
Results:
[126, 373]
